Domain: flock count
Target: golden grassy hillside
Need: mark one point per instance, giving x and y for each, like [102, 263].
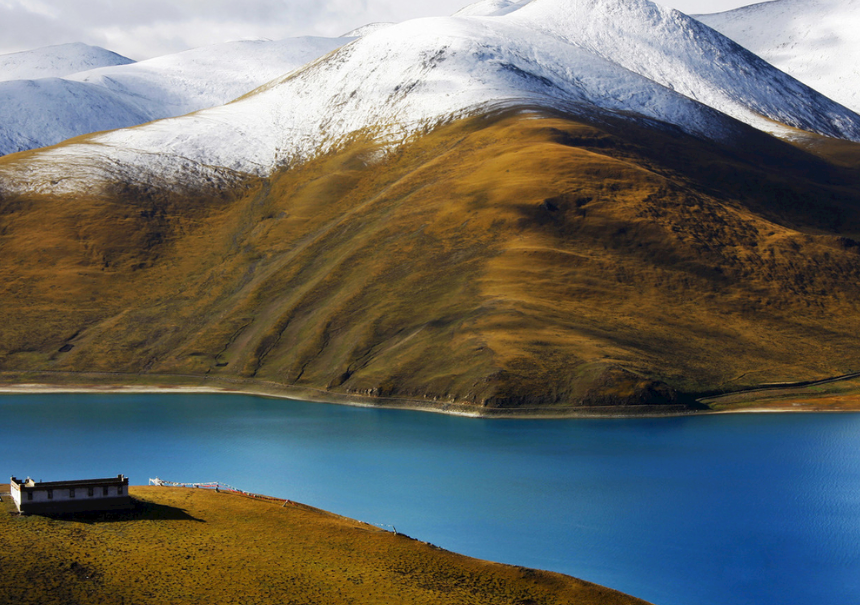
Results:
[184, 546]
[511, 261]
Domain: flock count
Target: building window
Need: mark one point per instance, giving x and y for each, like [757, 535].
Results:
[50, 494]
[90, 492]
[119, 491]
[29, 495]
[72, 493]
[104, 490]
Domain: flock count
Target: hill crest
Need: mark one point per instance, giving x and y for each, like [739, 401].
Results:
[57, 61]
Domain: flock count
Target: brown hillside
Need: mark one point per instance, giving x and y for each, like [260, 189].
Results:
[185, 546]
[510, 261]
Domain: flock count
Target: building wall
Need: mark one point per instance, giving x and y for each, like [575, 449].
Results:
[57, 499]
[16, 495]
[62, 494]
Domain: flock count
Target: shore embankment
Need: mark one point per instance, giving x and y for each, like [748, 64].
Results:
[834, 394]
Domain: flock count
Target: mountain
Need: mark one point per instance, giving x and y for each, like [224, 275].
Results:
[506, 263]
[816, 41]
[680, 53]
[632, 58]
[489, 214]
[57, 61]
[40, 112]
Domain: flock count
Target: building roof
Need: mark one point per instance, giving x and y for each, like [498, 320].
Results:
[119, 479]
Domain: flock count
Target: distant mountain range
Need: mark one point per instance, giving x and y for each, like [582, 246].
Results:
[527, 205]
[589, 57]
[53, 94]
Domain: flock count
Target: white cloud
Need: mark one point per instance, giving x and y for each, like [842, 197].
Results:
[36, 7]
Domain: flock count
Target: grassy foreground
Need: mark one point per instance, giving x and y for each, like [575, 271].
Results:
[198, 546]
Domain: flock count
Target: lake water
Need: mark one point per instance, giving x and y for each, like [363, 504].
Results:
[716, 510]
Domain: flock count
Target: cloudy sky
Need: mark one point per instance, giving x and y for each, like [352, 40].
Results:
[141, 29]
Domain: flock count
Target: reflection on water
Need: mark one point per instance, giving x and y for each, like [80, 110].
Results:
[741, 509]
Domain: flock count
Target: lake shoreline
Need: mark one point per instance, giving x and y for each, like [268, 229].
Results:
[97, 383]
[451, 409]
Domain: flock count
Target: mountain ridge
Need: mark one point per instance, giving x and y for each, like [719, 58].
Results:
[406, 78]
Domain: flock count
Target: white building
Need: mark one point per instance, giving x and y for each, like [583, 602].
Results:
[52, 497]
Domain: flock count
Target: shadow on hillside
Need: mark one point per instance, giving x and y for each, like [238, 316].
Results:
[140, 510]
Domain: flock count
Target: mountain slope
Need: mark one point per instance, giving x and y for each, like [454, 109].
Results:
[816, 41]
[507, 214]
[496, 264]
[590, 57]
[56, 61]
[49, 110]
[44, 112]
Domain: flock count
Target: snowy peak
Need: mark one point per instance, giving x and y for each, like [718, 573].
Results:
[689, 57]
[56, 61]
[816, 41]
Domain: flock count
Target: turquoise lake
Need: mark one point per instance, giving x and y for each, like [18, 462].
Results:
[712, 510]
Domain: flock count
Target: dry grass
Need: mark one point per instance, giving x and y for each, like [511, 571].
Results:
[183, 546]
[509, 261]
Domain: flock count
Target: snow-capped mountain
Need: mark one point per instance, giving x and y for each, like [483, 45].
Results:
[816, 41]
[680, 53]
[56, 61]
[41, 112]
[628, 57]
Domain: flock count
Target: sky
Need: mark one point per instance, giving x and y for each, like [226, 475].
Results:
[141, 29]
